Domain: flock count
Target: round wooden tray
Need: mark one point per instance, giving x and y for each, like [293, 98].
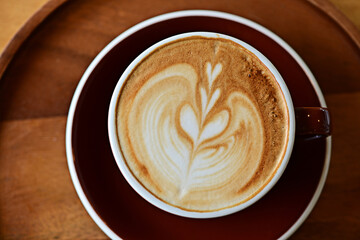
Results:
[42, 65]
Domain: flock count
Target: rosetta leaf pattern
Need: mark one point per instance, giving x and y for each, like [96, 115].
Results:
[207, 127]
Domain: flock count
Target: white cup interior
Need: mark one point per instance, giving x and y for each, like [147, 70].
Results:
[114, 141]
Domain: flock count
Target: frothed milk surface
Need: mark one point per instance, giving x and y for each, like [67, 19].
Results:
[202, 124]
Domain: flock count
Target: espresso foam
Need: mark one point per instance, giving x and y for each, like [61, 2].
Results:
[202, 124]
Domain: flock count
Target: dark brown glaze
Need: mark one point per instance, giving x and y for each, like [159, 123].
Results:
[312, 121]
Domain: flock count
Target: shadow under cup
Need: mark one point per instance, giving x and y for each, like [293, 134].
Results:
[305, 122]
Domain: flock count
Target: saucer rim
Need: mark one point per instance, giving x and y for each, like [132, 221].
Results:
[154, 20]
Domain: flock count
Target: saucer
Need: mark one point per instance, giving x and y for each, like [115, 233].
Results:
[119, 211]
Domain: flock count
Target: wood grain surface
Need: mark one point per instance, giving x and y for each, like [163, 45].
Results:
[37, 198]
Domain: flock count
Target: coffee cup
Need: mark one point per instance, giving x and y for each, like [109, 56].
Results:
[202, 125]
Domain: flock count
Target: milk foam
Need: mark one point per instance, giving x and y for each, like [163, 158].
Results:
[192, 142]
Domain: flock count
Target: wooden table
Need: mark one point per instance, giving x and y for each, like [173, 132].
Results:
[38, 201]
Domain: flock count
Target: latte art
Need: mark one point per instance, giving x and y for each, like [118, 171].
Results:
[202, 124]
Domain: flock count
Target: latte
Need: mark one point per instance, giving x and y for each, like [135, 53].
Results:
[202, 124]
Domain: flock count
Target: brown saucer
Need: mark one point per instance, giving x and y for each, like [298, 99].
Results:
[117, 208]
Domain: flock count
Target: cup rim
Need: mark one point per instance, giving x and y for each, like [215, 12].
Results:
[146, 194]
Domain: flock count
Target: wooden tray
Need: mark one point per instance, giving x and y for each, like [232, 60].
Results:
[42, 65]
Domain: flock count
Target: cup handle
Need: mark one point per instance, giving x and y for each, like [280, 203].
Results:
[312, 121]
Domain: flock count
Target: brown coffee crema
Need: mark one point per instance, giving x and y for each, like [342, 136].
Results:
[202, 124]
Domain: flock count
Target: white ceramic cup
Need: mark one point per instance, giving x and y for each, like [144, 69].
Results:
[114, 140]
